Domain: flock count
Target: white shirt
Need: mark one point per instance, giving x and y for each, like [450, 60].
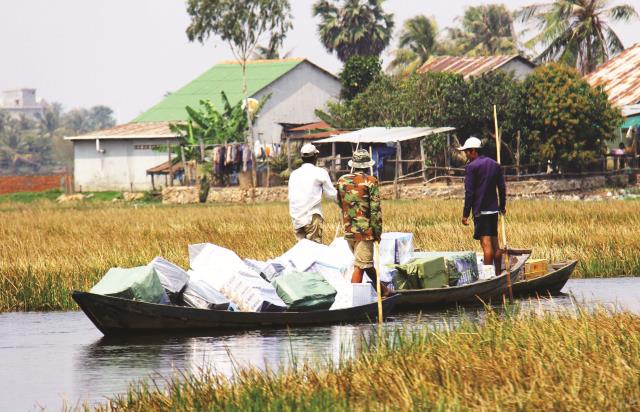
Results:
[306, 186]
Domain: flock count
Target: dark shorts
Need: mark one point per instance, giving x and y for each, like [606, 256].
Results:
[485, 225]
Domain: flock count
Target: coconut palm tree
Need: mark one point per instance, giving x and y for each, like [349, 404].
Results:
[486, 30]
[576, 32]
[416, 43]
[358, 27]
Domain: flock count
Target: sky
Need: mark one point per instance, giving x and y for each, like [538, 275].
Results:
[127, 54]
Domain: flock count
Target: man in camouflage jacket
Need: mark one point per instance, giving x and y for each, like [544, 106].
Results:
[359, 199]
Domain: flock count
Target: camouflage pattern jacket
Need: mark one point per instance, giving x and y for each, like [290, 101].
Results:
[359, 198]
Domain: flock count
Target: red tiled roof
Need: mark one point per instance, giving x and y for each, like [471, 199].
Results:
[469, 66]
[311, 126]
[620, 77]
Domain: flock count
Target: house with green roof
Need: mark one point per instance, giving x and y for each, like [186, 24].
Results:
[118, 158]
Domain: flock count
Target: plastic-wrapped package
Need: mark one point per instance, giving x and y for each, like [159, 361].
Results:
[395, 248]
[172, 277]
[139, 283]
[305, 291]
[462, 267]
[199, 294]
[354, 294]
[251, 293]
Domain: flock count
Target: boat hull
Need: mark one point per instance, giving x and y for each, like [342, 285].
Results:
[549, 284]
[117, 316]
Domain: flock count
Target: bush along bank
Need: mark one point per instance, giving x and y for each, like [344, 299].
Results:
[580, 361]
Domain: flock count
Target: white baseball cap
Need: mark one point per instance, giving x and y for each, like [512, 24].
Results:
[471, 143]
[308, 150]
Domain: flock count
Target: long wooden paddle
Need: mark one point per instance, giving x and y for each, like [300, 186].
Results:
[376, 259]
[503, 219]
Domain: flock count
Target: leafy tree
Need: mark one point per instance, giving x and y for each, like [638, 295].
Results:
[576, 32]
[486, 30]
[241, 24]
[570, 119]
[357, 28]
[270, 52]
[416, 43]
[358, 73]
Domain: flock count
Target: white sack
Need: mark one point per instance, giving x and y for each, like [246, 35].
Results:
[354, 294]
[173, 277]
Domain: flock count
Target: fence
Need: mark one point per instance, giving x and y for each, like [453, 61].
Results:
[14, 184]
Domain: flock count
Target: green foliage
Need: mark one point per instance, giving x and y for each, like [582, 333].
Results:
[358, 73]
[357, 28]
[576, 32]
[489, 30]
[416, 43]
[570, 120]
[239, 23]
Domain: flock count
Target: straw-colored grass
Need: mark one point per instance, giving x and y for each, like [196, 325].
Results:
[581, 362]
[47, 250]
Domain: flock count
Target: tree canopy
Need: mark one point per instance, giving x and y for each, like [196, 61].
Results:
[355, 28]
[576, 32]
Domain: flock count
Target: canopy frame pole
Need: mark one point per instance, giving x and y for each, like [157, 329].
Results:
[333, 161]
[423, 163]
[396, 190]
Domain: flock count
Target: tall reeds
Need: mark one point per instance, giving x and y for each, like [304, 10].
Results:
[581, 361]
[47, 250]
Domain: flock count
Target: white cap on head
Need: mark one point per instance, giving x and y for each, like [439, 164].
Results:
[471, 143]
[308, 150]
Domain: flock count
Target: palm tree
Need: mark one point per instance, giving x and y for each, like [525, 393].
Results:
[359, 27]
[270, 52]
[416, 43]
[576, 32]
[486, 30]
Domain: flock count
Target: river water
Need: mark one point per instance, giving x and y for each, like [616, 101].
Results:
[56, 358]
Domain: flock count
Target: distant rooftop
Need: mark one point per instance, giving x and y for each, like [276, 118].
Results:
[620, 77]
[469, 66]
[227, 77]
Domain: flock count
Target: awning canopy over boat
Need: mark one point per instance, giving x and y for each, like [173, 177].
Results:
[371, 135]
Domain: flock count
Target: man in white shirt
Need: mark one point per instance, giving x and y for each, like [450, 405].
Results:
[307, 184]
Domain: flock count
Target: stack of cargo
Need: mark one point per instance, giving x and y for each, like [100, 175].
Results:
[396, 248]
[462, 267]
[534, 268]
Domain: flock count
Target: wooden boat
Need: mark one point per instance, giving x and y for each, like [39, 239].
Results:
[476, 292]
[117, 316]
[549, 284]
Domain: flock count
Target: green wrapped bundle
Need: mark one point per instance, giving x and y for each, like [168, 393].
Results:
[305, 291]
[462, 267]
[426, 273]
[139, 283]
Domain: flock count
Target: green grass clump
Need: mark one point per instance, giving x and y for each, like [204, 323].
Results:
[47, 250]
[580, 361]
[30, 197]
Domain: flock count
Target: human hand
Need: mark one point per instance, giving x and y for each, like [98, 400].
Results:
[503, 211]
[465, 221]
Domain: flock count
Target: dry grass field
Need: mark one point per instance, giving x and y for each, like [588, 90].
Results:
[559, 362]
[48, 250]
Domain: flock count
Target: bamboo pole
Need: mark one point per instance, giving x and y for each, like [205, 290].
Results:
[376, 258]
[170, 169]
[397, 173]
[333, 161]
[422, 158]
[503, 220]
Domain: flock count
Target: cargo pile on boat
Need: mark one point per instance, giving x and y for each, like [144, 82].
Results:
[309, 276]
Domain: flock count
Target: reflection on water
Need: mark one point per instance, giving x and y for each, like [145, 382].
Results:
[50, 357]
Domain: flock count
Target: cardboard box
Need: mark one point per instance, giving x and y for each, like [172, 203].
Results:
[534, 268]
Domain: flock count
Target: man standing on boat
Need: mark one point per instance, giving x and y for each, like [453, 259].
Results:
[485, 195]
[307, 184]
[359, 199]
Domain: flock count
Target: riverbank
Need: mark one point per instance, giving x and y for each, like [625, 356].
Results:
[49, 250]
[565, 361]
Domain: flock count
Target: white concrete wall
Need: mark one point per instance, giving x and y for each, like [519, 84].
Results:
[519, 69]
[295, 96]
[120, 167]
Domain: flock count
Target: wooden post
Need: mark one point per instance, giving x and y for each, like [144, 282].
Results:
[186, 172]
[447, 159]
[397, 172]
[153, 182]
[201, 143]
[423, 164]
[170, 170]
[518, 153]
[289, 153]
[333, 161]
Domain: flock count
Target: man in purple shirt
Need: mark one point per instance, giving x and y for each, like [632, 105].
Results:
[485, 195]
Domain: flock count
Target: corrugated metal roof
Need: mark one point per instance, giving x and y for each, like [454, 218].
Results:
[620, 77]
[145, 130]
[311, 126]
[163, 168]
[226, 77]
[469, 66]
[385, 134]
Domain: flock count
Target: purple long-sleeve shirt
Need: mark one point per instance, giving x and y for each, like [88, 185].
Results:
[481, 178]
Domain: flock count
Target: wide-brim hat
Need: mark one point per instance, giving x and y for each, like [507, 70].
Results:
[471, 143]
[361, 160]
